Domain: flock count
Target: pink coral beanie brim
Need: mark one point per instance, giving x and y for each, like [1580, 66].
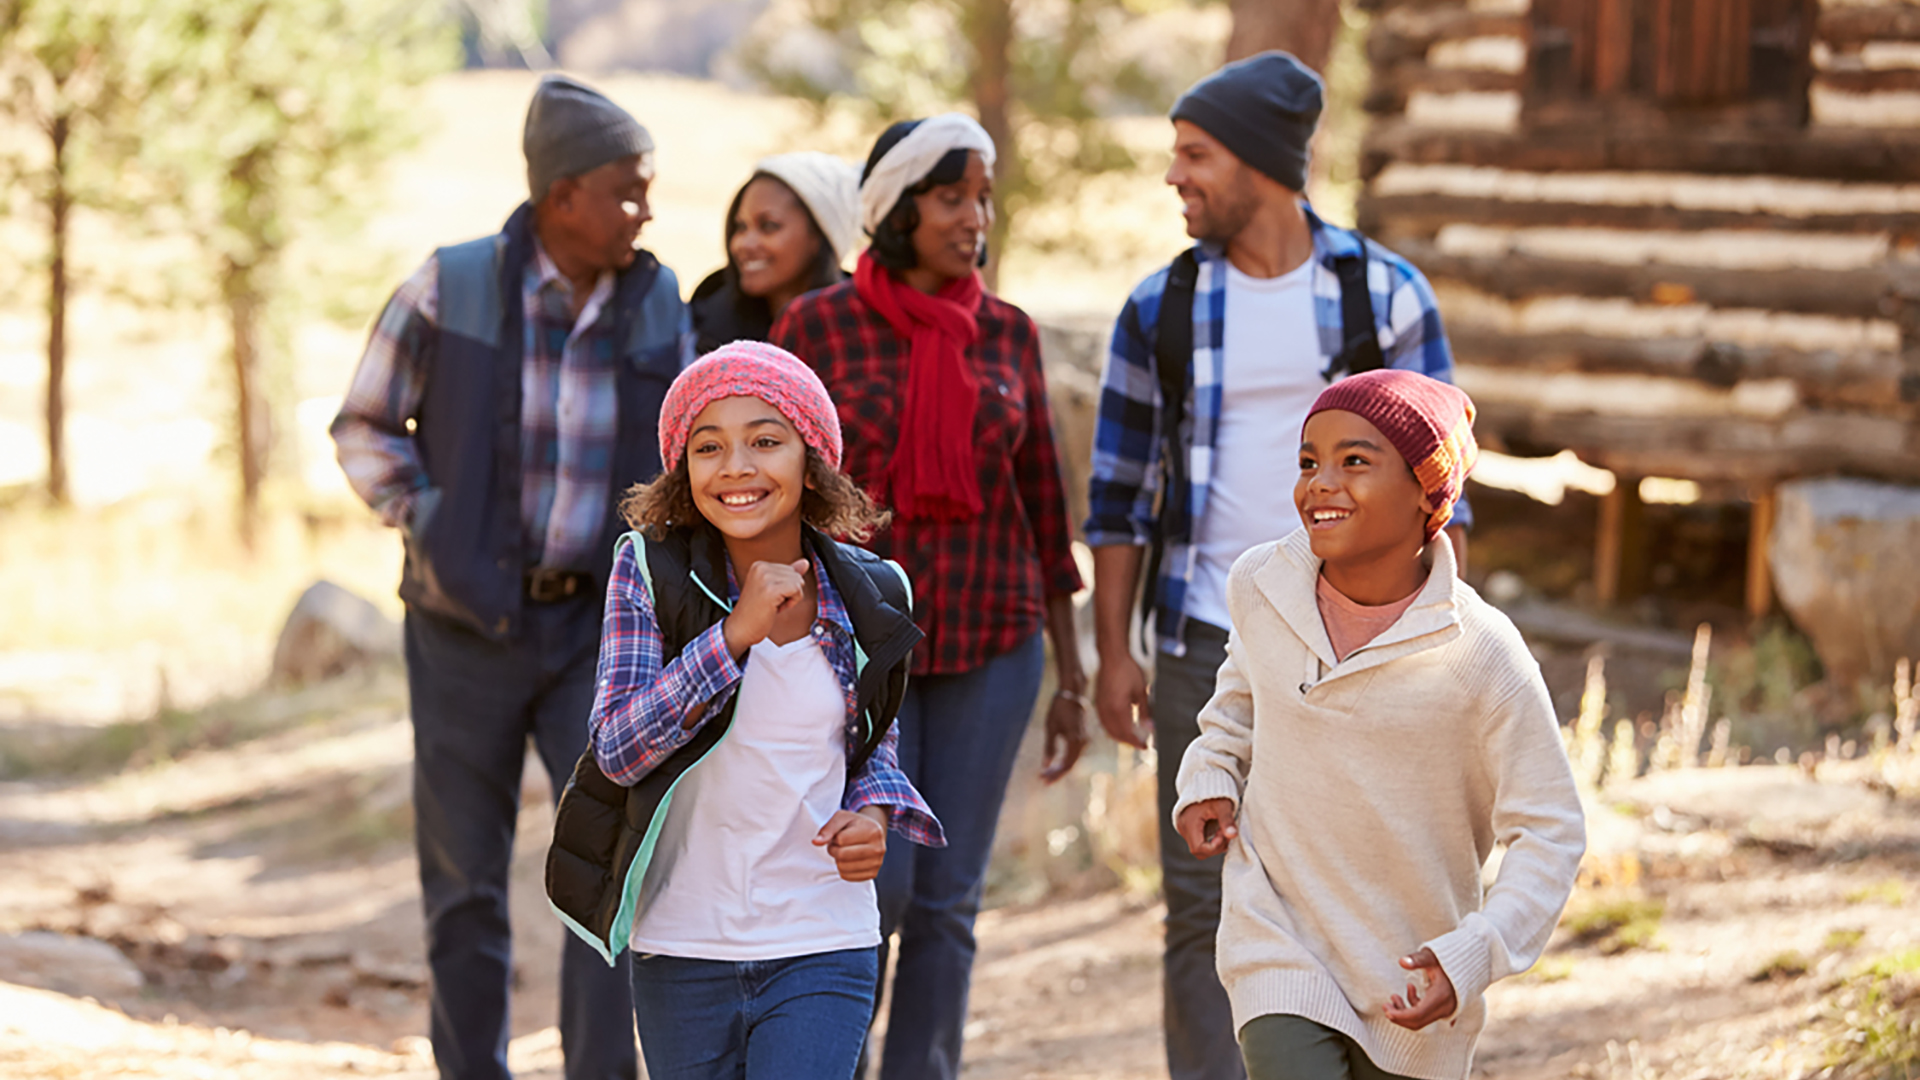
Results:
[751, 369]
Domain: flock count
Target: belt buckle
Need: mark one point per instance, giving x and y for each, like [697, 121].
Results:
[545, 586]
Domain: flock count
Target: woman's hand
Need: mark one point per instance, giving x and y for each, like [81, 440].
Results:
[769, 589]
[1067, 712]
[857, 840]
[1416, 1011]
[1066, 733]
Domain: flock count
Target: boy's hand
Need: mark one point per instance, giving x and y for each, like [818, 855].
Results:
[857, 841]
[1416, 1010]
[769, 589]
[1206, 826]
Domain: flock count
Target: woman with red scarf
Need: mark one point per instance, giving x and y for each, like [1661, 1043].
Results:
[944, 408]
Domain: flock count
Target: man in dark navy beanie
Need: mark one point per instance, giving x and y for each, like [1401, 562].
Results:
[1268, 307]
[1263, 110]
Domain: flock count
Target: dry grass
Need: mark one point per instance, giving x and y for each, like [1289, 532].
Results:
[132, 610]
[1614, 921]
[81, 751]
[1878, 1014]
[1891, 892]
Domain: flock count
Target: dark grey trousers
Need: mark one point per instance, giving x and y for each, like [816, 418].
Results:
[475, 705]
[1199, 1021]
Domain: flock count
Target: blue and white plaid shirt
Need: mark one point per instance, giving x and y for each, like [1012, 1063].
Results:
[1124, 493]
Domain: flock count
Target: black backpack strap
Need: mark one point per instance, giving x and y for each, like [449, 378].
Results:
[1360, 338]
[879, 600]
[1173, 340]
[1172, 366]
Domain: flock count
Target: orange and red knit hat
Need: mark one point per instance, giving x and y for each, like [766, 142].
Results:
[1428, 421]
[751, 369]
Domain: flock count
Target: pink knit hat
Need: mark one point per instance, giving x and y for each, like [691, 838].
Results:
[751, 369]
[1428, 421]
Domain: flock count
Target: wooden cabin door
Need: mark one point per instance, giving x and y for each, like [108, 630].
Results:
[1738, 61]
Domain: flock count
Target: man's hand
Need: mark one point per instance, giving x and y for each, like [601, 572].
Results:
[1120, 694]
[1207, 826]
[1417, 1010]
[857, 841]
[769, 589]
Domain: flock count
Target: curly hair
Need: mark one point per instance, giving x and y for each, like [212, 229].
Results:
[832, 503]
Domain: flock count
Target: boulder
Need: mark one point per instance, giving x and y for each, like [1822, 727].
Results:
[329, 632]
[1073, 351]
[1760, 798]
[1845, 556]
[64, 964]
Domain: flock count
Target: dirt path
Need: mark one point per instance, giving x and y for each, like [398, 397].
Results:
[266, 893]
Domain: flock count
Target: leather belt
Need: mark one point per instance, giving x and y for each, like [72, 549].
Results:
[545, 586]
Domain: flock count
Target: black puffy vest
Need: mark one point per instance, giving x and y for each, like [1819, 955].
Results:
[603, 833]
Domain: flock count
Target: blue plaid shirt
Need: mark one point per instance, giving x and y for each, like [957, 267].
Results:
[1125, 490]
[641, 705]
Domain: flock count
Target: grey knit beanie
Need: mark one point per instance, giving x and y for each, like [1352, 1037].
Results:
[573, 128]
[1263, 109]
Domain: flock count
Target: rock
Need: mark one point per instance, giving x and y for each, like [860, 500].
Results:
[1846, 566]
[1760, 798]
[75, 966]
[1073, 352]
[329, 632]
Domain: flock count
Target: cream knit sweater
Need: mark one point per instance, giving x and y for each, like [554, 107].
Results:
[1370, 792]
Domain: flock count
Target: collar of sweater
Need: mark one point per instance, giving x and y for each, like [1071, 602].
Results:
[1288, 580]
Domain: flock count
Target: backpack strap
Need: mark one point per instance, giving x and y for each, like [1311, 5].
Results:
[1172, 366]
[1359, 336]
[879, 600]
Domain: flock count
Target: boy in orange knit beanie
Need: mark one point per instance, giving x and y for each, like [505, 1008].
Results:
[1375, 730]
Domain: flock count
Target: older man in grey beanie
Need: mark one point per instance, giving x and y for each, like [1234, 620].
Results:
[1215, 361]
[509, 394]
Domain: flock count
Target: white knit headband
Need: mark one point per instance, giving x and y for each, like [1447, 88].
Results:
[912, 158]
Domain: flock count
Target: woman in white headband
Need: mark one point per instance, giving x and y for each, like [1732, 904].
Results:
[943, 407]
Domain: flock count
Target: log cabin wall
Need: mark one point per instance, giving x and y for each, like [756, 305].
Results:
[1673, 255]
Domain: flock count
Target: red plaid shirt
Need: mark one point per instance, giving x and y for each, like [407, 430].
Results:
[980, 586]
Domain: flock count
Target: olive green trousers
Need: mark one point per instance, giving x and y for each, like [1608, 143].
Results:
[1281, 1047]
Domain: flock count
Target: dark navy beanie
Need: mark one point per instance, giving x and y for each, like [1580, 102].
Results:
[1264, 109]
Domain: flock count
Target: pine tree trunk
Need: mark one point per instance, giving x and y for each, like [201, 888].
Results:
[60, 207]
[989, 29]
[1305, 28]
[251, 427]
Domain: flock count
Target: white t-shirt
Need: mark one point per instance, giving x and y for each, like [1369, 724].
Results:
[1273, 362]
[735, 874]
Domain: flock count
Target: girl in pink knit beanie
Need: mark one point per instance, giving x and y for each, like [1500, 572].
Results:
[750, 670]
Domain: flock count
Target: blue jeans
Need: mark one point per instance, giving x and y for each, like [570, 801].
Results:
[958, 738]
[1198, 1017]
[475, 703]
[802, 1017]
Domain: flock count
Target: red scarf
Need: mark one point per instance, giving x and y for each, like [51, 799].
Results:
[933, 474]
